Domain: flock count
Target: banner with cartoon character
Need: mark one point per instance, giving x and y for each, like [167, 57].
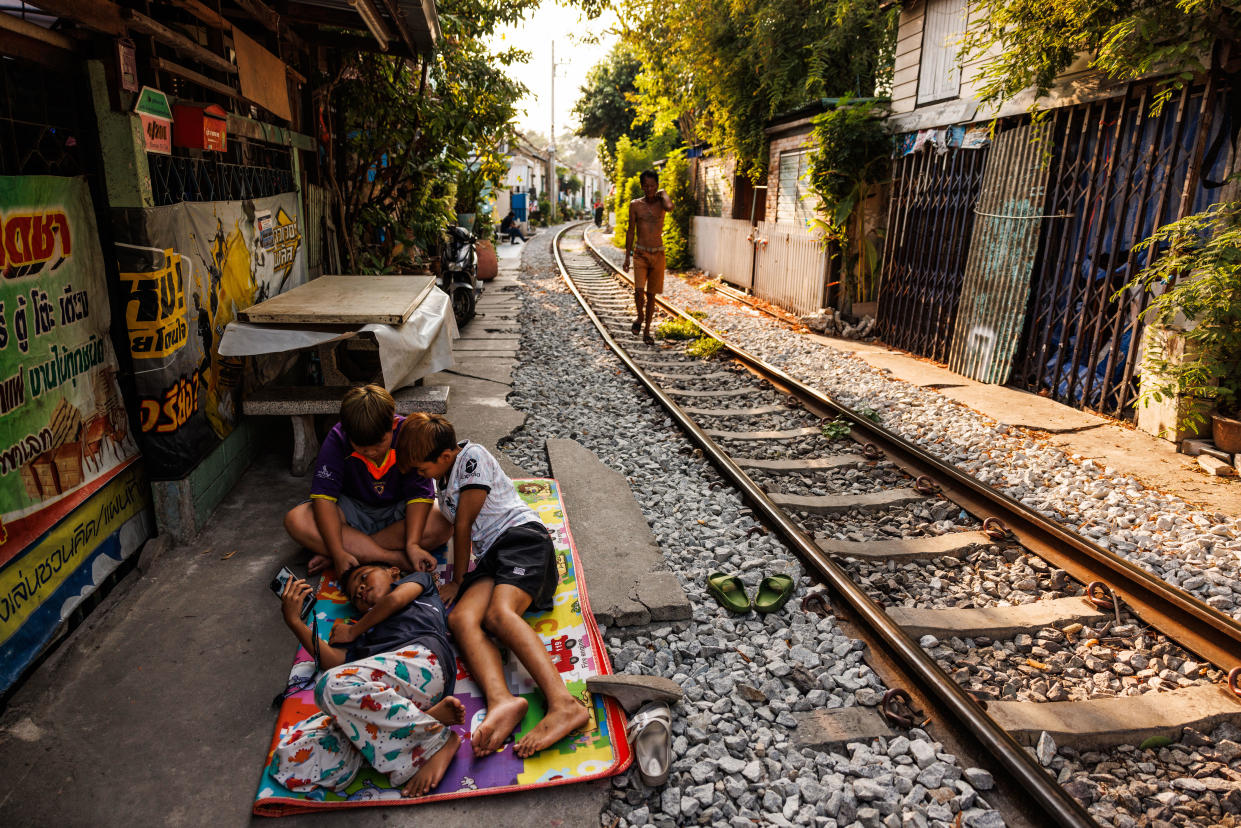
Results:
[187, 269]
[73, 500]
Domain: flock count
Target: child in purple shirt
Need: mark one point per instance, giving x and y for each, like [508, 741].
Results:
[362, 508]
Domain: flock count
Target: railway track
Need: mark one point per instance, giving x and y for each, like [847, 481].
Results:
[1079, 601]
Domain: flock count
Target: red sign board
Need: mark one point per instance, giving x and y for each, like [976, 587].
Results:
[156, 133]
[200, 127]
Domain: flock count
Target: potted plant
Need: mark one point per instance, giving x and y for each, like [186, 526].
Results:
[1197, 293]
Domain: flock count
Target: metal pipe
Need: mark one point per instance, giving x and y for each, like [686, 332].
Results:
[1062, 808]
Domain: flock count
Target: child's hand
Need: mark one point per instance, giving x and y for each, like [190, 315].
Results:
[448, 591]
[295, 592]
[420, 560]
[342, 633]
[345, 561]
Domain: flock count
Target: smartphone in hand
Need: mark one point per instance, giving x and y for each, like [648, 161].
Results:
[278, 584]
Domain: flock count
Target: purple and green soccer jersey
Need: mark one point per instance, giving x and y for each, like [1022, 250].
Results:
[341, 470]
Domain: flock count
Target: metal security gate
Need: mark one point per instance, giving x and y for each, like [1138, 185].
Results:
[930, 220]
[1117, 174]
[244, 171]
[997, 274]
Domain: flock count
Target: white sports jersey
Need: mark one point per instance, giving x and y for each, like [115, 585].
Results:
[475, 468]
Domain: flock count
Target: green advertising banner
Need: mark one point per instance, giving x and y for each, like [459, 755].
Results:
[70, 491]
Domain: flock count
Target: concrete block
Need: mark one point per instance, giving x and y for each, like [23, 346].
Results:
[1128, 720]
[953, 544]
[995, 622]
[1213, 465]
[832, 504]
[823, 729]
[627, 578]
[1196, 447]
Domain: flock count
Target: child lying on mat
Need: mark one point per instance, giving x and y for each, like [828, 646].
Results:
[386, 697]
[362, 508]
[516, 569]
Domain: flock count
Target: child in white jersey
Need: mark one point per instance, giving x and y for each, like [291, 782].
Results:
[515, 570]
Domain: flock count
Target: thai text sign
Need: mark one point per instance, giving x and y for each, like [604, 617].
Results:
[64, 432]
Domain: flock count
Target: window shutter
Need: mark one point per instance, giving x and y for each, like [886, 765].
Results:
[939, 71]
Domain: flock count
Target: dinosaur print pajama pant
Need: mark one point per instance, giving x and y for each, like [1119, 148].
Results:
[372, 711]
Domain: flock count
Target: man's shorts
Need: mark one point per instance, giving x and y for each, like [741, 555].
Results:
[648, 270]
[369, 519]
[522, 557]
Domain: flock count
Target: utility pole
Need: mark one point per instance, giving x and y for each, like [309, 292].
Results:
[551, 150]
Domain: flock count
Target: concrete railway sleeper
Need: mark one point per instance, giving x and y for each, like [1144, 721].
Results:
[878, 540]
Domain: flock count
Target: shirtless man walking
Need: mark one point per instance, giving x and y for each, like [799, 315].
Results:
[646, 218]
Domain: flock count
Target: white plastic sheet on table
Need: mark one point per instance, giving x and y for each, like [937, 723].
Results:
[407, 353]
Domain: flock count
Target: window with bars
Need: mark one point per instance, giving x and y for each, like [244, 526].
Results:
[794, 201]
[176, 178]
[939, 67]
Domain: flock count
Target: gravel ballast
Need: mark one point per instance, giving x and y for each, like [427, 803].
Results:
[744, 677]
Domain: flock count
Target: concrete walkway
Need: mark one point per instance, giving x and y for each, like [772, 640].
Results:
[157, 711]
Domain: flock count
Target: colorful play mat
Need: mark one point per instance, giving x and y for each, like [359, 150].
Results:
[572, 638]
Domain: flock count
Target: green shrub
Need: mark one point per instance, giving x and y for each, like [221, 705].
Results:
[675, 181]
[626, 192]
[704, 347]
[678, 329]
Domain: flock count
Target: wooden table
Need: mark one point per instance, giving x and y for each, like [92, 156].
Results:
[344, 300]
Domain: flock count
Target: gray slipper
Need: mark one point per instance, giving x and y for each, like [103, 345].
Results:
[650, 733]
[634, 691]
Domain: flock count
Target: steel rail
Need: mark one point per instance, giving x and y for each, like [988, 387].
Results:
[1025, 772]
[1193, 624]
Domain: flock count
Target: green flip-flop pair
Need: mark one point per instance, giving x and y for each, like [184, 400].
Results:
[774, 592]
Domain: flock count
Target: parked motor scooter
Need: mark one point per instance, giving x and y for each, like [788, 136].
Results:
[459, 272]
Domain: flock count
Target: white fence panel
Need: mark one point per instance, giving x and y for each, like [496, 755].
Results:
[790, 267]
[722, 248]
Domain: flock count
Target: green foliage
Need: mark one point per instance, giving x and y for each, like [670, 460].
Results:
[720, 72]
[709, 286]
[605, 109]
[675, 181]
[704, 347]
[1199, 279]
[870, 414]
[1026, 43]
[404, 147]
[836, 429]
[625, 193]
[851, 156]
[678, 329]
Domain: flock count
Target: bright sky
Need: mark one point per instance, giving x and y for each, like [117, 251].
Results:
[574, 58]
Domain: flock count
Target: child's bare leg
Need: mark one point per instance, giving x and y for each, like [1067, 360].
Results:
[431, 774]
[448, 710]
[437, 531]
[564, 713]
[299, 522]
[504, 710]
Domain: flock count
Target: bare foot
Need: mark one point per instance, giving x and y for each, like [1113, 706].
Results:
[501, 720]
[647, 339]
[448, 710]
[637, 326]
[430, 774]
[318, 563]
[560, 721]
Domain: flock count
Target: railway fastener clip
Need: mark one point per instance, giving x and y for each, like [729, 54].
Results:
[1105, 598]
[897, 707]
[926, 485]
[1233, 675]
[995, 529]
[816, 602]
[871, 451]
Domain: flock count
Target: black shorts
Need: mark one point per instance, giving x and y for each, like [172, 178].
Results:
[522, 557]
